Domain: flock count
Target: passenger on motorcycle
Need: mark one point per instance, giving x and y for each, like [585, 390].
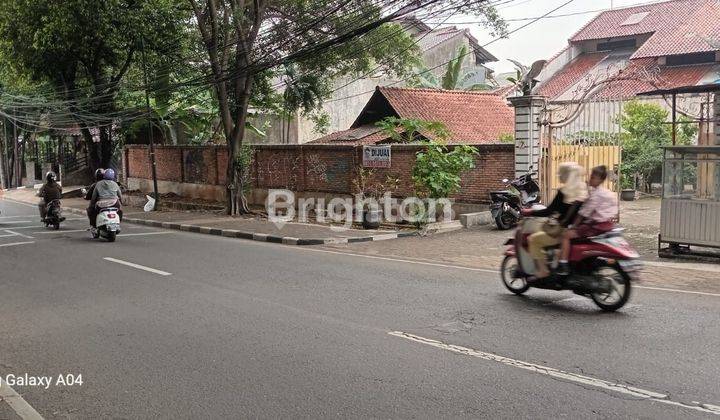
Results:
[107, 192]
[595, 217]
[50, 191]
[565, 205]
[90, 210]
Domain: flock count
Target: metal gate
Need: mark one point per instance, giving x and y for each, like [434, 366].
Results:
[588, 134]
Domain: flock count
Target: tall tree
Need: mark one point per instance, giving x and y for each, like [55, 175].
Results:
[323, 39]
[85, 49]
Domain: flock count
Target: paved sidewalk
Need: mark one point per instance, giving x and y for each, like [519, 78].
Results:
[245, 227]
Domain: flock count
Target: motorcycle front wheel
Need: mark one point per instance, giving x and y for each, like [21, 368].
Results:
[505, 220]
[508, 268]
[612, 289]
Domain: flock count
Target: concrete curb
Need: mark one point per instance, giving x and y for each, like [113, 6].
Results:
[262, 237]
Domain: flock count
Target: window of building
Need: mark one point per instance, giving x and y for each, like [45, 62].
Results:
[617, 45]
[688, 59]
[634, 19]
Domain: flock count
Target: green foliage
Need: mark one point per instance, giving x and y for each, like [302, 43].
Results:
[243, 163]
[408, 130]
[454, 78]
[437, 171]
[507, 138]
[591, 138]
[645, 133]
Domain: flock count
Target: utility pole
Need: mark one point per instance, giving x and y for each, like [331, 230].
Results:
[3, 156]
[16, 152]
[153, 167]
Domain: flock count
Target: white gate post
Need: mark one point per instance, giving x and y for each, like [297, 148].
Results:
[528, 111]
[716, 117]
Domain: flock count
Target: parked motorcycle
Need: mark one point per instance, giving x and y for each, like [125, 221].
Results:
[54, 216]
[602, 267]
[521, 193]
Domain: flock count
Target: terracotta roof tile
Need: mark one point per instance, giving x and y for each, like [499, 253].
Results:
[471, 117]
[570, 74]
[663, 78]
[677, 27]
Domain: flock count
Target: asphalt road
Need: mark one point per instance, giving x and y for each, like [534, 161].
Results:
[225, 328]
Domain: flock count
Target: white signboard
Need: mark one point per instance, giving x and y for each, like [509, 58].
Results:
[376, 156]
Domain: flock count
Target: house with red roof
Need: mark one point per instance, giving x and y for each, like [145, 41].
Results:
[471, 117]
[625, 51]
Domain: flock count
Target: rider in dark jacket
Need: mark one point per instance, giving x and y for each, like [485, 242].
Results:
[50, 191]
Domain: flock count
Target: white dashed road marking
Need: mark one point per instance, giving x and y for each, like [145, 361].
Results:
[559, 374]
[138, 266]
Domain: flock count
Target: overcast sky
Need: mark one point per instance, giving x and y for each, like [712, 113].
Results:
[544, 38]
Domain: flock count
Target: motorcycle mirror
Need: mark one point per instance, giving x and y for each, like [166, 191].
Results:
[505, 180]
[84, 191]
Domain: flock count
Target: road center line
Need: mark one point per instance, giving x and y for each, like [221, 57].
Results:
[19, 234]
[17, 403]
[138, 266]
[17, 243]
[559, 374]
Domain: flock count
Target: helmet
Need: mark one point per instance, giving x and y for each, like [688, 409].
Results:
[109, 174]
[99, 173]
[50, 176]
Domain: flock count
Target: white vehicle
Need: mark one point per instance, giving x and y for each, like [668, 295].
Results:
[108, 220]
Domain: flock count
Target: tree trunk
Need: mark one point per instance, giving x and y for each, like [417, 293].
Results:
[92, 147]
[106, 147]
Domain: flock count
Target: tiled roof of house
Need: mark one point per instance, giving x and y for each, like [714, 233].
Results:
[471, 117]
[676, 27]
[662, 78]
[570, 74]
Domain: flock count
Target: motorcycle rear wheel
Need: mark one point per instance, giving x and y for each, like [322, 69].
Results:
[617, 281]
[111, 236]
[508, 267]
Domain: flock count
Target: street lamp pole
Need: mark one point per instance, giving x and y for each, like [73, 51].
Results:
[153, 165]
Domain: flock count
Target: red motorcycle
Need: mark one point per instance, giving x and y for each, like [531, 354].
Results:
[601, 267]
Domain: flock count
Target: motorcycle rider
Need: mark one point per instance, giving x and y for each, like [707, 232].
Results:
[99, 173]
[595, 217]
[106, 189]
[50, 191]
[566, 203]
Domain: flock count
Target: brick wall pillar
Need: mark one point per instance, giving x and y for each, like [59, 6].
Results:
[528, 110]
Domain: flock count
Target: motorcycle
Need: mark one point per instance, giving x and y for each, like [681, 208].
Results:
[54, 217]
[107, 222]
[522, 192]
[602, 267]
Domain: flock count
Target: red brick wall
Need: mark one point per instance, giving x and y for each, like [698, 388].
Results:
[317, 168]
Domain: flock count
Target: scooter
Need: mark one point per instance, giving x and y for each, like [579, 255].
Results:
[107, 223]
[54, 217]
[522, 192]
[602, 267]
